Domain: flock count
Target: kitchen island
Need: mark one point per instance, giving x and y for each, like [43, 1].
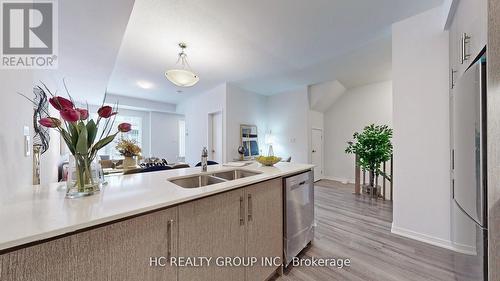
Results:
[120, 233]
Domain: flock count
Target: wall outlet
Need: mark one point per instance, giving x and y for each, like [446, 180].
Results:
[292, 140]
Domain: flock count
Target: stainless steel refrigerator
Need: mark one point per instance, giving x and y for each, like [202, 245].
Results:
[469, 223]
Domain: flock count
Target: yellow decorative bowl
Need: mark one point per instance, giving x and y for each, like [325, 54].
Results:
[268, 160]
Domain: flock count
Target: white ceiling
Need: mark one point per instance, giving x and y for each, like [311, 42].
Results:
[265, 46]
[88, 46]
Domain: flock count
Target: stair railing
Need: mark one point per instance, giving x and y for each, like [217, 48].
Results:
[386, 174]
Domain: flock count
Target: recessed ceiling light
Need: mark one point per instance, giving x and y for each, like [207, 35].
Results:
[145, 84]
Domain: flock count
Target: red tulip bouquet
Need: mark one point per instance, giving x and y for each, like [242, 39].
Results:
[80, 133]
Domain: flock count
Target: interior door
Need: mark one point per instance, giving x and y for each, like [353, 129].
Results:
[317, 153]
[215, 137]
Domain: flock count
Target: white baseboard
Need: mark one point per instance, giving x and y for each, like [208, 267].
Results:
[464, 249]
[342, 180]
[443, 243]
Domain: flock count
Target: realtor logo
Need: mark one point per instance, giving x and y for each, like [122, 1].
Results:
[29, 34]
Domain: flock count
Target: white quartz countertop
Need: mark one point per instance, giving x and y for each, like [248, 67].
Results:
[32, 213]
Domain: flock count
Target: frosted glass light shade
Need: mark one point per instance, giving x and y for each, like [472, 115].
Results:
[182, 77]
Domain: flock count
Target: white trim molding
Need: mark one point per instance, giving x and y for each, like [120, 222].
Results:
[464, 249]
[443, 243]
[439, 242]
[342, 180]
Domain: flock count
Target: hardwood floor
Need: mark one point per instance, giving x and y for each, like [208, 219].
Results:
[359, 228]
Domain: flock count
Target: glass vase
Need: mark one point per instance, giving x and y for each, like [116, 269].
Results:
[129, 162]
[83, 177]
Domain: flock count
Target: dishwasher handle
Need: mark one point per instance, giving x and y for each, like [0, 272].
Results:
[299, 185]
[299, 180]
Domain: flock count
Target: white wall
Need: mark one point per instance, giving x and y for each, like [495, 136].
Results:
[421, 128]
[286, 115]
[159, 123]
[196, 110]
[288, 120]
[164, 140]
[160, 130]
[355, 109]
[244, 107]
[15, 112]
[140, 104]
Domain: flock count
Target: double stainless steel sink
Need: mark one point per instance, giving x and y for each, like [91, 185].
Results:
[195, 181]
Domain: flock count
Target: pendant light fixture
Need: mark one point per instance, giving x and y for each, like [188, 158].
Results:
[182, 76]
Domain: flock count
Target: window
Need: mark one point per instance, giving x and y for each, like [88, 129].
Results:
[135, 134]
[182, 138]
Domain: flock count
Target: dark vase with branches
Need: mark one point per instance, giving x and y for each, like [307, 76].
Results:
[373, 147]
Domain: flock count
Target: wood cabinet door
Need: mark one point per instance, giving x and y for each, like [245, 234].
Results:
[264, 226]
[119, 251]
[213, 227]
[132, 243]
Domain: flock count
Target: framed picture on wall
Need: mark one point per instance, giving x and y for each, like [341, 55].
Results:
[249, 140]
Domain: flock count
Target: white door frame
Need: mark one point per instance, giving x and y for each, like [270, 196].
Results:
[210, 116]
[321, 176]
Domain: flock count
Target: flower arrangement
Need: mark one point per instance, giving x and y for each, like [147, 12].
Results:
[81, 135]
[128, 148]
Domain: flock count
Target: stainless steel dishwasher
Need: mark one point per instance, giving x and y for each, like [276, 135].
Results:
[299, 214]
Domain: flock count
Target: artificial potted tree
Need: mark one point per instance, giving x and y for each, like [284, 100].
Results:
[373, 147]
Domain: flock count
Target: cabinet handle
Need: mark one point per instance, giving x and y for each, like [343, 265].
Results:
[465, 39]
[242, 210]
[170, 239]
[452, 78]
[453, 188]
[250, 211]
